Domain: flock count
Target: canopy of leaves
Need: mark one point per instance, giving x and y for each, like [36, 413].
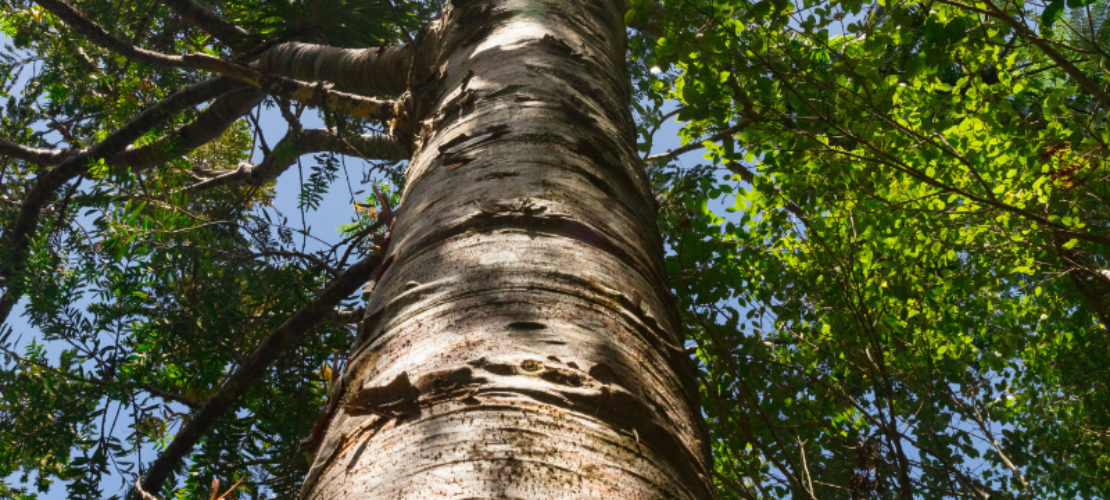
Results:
[906, 290]
[143, 296]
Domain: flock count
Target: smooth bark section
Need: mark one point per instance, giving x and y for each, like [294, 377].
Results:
[298, 143]
[254, 367]
[521, 342]
[373, 71]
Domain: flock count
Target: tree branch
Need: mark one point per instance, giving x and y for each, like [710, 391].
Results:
[78, 21]
[1089, 281]
[16, 237]
[1044, 46]
[208, 21]
[373, 71]
[666, 155]
[98, 35]
[142, 494]
[297, 143]
[208, 125]
[212, 122]
[44, 157]
[106, 383]
[253, 368]
[170, 396]
[319, 94]
[323, 95]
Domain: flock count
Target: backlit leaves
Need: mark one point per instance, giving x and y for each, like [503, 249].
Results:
[910, 273]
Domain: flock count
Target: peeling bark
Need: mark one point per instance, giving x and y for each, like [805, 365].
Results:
[520, 341]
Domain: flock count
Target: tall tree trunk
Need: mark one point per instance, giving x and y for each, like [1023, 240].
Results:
[520, 340]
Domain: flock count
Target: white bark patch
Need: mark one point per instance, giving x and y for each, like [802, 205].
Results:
[515, 35]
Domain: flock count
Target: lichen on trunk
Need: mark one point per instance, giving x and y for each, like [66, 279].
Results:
[520, 340]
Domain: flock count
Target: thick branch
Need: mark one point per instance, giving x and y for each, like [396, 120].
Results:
[102, 37]
[211, 122]
[369, 146]
[207, 126]
[143, 493]
[319, 94]
[208, 21]
[322, 95]
[44, 157]
[71, 16]
[254, 367]
[297, 143]
[374, 71]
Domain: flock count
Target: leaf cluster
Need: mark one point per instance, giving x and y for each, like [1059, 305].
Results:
[896, 270]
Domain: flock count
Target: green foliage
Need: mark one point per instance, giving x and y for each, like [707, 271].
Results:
[343, 23]
[143, 297]
[895, 273]
[322, 175]
[906, 290]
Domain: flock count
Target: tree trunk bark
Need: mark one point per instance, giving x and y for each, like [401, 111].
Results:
[520, 341]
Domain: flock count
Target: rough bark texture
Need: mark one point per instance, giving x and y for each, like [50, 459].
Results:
[520, 341]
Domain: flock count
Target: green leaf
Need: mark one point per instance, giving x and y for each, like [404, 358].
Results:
[1051, 13]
